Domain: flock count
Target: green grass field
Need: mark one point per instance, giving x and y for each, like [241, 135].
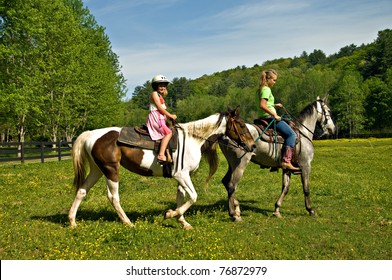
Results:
[350, 191]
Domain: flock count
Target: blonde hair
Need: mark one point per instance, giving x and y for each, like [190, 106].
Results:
[265, 75]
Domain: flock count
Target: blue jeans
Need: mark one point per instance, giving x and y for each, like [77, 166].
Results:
[286, 131]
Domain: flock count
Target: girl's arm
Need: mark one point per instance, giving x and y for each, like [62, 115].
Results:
[263, 106]
[157, 102]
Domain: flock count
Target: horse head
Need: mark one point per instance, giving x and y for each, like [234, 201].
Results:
[324, 116]
[237, 130]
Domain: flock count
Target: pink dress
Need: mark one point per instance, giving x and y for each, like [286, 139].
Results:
[156, 122]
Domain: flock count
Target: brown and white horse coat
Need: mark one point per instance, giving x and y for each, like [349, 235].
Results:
[105, 155]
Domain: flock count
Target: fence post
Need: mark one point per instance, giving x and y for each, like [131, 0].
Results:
[42, 152]
[22, 152]
[59, 149]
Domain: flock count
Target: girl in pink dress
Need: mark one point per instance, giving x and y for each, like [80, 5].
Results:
[156, 120]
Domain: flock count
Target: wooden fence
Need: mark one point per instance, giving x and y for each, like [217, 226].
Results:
[23, 151]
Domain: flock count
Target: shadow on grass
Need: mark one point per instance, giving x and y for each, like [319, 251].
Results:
[150, 215]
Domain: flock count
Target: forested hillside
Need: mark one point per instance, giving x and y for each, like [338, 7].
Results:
[357, 80]
[59, 77]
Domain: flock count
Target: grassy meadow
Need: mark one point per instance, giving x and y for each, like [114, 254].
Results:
[351, 192]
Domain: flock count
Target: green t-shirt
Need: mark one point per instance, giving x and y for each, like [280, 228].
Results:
[266, 93]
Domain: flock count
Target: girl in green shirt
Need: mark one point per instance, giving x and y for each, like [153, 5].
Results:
[268, 113]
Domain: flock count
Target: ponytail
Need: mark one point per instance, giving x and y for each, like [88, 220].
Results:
[265, 75]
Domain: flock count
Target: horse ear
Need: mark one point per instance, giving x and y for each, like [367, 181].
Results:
[237, 110]
[325, 99]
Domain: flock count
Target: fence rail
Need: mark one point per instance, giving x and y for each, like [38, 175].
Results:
[23, 151]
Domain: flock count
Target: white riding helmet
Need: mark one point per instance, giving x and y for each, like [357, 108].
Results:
[160, 79]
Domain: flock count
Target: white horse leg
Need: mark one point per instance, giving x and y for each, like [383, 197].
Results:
[180, 201]
[185, 186]
[81, 193]
[114, 199]
[285, 189]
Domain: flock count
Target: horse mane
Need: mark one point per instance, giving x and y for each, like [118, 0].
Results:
[307, 111]
[200, 128]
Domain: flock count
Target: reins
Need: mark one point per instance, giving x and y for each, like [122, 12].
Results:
[275, 136]
[291, 116]
[235, 144]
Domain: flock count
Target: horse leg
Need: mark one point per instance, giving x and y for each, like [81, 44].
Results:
[180, 201]
[237, 161]
[305, 185]
[185, 186]
[285, 189]
[82, 191]
[114, 199]
[230, 181]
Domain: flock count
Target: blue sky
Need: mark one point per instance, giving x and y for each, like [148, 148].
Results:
[184, 38]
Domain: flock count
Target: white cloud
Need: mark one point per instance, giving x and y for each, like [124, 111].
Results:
[242, 34]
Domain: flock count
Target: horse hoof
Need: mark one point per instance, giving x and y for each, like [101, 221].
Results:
[312, 213]
[277, 215]
[168, 214]
[187, 227]
[72, 224]
[237, 219]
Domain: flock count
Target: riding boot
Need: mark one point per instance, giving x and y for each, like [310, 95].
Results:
[286, 158]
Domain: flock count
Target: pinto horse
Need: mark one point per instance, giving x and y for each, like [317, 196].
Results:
[267, 154]
[104, 154]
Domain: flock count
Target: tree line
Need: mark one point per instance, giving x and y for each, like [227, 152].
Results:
[58, 73]
[357, 81]
[59, 77]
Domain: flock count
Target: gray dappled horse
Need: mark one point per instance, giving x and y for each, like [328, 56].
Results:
[101, 151]
[266, 155]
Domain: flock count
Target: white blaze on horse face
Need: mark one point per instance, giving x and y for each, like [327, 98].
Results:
[329, 126]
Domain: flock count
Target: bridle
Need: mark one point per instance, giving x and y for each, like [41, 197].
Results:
[326, 116]
[232, 126]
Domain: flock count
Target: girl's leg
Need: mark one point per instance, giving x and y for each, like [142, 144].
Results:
[287, 132]
[288, 147]
[165, 140]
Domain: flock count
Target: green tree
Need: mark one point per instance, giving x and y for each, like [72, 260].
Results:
[317, 57]
[378, 103]
[379, 55]
[58, 72]
[348, 101]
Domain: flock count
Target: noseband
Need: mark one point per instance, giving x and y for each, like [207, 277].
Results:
[233, 127]
[324, 113]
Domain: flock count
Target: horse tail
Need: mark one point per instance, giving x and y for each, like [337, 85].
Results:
[79, 157]
[208, 150]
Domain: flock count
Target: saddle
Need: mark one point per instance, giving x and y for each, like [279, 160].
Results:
[140, 137]
[269, 134]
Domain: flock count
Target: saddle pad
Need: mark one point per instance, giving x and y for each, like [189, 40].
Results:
[129, 136]
[132, 136]
[268, 135]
